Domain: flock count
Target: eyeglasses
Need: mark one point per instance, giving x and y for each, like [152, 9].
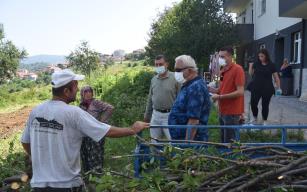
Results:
[179, 70]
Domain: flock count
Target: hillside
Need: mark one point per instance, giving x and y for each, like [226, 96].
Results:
[49, 59]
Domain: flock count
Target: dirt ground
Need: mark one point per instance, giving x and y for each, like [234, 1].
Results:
[12, 122]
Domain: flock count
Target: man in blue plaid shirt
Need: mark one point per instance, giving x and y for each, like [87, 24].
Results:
[192, 106]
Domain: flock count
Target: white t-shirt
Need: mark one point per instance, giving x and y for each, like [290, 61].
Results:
[55, 131]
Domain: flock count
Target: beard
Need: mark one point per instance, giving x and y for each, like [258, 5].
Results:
[71, 99]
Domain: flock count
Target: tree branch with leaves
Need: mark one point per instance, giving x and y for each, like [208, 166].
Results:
[84, 59]
[10, 57]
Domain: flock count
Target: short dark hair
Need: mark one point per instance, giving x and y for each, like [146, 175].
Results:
[60, 90]
[158, 57]
[228, 49]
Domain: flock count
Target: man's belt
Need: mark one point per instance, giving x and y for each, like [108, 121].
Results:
[163, 110]
[51, 189]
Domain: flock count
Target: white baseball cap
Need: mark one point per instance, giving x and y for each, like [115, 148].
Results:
[63, 77]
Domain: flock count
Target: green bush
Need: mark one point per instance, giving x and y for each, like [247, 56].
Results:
[12, 158]
[27, 96]
[44, 78]
[126, 90]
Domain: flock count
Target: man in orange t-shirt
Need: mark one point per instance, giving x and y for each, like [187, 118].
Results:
[230, 93]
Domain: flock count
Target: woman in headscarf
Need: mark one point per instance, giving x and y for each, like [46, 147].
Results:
[92, 152]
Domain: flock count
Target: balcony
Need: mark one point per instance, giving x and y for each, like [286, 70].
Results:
[245, 33]
[293, 8]
[235, 6]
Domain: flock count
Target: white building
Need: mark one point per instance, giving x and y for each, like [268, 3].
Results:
[280, 27]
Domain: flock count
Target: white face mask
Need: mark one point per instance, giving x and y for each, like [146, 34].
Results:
[222, 62]
[160, 70]
[179, 77]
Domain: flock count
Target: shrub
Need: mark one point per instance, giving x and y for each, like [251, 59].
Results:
[127, 92]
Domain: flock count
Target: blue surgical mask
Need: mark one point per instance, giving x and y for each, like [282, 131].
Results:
[160, 70]
[222, 62]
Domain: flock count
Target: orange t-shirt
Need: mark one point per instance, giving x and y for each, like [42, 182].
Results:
[231, 77]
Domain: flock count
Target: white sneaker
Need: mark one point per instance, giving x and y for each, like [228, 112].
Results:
[253, 120]
[265, 122]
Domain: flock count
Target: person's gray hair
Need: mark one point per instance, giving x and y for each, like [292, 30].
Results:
[187, 61]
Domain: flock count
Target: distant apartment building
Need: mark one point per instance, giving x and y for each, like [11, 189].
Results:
[51, 69]
[280, 27]
[105, 58]
[25, 74]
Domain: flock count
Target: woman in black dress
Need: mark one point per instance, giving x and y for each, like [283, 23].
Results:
[262, 87]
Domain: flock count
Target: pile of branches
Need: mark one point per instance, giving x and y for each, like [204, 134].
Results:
[240, 168]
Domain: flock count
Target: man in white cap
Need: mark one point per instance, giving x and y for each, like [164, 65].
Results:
[54, 132]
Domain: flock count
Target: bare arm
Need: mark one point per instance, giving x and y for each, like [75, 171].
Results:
[193, 130]
[137, 127]
[239, 92]
[107, 113]
[250, 69]
[27, 148]
[276, 79]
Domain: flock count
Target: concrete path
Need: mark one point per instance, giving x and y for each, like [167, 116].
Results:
[283, 110]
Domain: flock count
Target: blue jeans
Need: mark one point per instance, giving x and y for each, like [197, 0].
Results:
[228, 134]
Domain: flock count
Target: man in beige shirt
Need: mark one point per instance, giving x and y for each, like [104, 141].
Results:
[162, 94]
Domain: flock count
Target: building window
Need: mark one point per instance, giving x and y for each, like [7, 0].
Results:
[296, 47]
[262, 46]
[262, 7]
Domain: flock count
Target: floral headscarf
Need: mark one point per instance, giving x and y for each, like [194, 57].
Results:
[84, 102]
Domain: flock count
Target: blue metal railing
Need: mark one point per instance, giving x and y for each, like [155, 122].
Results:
[237, 128]
[296, 146]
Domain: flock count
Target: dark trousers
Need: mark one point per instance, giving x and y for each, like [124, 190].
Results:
[227, 135]
[51, 189]
[255, 98]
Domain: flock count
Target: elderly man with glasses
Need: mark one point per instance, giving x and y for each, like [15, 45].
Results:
[192, 105]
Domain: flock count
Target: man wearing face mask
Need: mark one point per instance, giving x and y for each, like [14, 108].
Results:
[162, 93]
[192, 105]
[230, 94]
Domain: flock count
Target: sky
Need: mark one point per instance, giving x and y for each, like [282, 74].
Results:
[56, 27]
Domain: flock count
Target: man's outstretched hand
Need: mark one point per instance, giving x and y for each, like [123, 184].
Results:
[138, 126]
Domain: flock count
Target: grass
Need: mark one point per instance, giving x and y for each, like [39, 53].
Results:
[123, 85]
[11, 156]
[28, 97]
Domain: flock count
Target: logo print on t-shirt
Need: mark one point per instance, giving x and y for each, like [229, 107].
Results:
[53, 124]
